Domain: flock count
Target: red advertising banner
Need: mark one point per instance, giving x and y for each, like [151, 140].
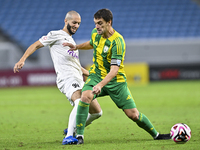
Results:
[175, 72]
[27, 78]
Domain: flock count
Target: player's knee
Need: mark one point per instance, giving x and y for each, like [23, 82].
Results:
[86, 99]
[134, 117]
[132, 114]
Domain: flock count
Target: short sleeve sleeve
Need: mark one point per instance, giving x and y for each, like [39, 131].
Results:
[48, 39]
[118, 48]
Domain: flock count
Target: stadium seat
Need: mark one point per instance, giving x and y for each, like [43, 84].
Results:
[133, 19]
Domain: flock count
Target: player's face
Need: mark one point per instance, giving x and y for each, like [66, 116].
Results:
[101, 26]
[73, 24]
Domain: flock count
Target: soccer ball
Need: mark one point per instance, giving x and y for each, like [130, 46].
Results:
[180, 133]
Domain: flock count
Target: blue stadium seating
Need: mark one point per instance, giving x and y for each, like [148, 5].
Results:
[27, 20]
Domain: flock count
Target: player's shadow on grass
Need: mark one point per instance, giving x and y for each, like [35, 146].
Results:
[42, 144]
[116, 140]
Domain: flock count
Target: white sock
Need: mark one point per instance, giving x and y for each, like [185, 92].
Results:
[72, 119]
[80, 136]
[92, 117]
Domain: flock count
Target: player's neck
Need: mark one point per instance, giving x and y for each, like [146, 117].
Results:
[66, 30]
[109, 33]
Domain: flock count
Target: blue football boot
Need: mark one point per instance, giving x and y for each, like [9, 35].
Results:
[69, 140]
[65, 133]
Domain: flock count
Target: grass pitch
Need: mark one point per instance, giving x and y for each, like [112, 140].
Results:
[34, 118]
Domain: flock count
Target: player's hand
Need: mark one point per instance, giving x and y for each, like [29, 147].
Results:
[71, 46]
[18, 66]
[96, 89]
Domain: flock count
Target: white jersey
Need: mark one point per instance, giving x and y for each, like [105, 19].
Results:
[66, 62]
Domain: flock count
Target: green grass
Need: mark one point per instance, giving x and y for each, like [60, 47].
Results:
[34, 118]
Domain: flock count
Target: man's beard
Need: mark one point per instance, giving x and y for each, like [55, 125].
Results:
[69, 29]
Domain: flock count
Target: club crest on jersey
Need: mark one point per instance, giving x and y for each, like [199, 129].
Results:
[105, 50]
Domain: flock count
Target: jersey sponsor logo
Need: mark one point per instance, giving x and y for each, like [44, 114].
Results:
[105, 50]
[75, 85]
[72, 53]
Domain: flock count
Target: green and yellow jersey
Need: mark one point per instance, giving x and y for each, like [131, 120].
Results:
[104, 51]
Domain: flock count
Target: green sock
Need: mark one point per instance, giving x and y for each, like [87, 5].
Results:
[81, 117]
[144, 123]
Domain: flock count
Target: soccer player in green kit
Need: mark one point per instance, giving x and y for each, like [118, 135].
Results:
[107, 75]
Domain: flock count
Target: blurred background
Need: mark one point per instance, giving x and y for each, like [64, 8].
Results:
[162, 37]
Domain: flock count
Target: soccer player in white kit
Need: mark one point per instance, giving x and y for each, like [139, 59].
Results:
[68, 69]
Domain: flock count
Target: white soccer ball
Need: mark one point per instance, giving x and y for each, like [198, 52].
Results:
[180, 133]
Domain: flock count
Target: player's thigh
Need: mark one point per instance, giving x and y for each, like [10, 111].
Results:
[76, 95]
[71, 88]
[94, 107]
[87, 96]
[91, 81]
[121, 95]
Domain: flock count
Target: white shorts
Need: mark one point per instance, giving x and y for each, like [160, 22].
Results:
[69, 86]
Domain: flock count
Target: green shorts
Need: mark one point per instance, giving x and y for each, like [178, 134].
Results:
[118, 92]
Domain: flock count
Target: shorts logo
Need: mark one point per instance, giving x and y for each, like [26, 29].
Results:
[75, 85]
[129, 97]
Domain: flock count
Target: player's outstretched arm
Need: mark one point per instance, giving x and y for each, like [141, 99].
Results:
[31, 49]
[83, 46]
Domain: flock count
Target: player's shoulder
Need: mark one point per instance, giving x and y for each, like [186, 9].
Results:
[56, 32]
[94, 30]
[94, 33]
[116, 37]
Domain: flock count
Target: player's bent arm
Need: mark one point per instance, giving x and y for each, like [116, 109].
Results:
[113, 72]
[83, 46]
[31, 49]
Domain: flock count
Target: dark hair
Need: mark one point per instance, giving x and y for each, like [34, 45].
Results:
[106, 14]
